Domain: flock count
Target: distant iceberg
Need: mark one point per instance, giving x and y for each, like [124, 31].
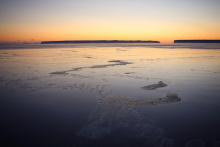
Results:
[99, 41]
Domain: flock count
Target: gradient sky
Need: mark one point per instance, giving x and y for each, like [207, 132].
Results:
[162, 20]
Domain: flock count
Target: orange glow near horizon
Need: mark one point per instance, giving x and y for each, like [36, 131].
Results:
[163, 34]
[104, 20]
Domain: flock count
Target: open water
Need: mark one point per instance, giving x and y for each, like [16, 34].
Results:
[52, 95]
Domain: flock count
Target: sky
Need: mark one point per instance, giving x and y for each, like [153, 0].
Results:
[161, 20]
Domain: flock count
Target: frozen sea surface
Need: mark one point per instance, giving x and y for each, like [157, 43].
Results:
[52, 95]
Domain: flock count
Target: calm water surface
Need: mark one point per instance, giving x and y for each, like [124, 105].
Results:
[51, 95]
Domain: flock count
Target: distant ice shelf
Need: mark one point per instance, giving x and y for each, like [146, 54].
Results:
[196, 41]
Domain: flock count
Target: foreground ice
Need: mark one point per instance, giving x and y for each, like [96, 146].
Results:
[169, 98]
[123, 122]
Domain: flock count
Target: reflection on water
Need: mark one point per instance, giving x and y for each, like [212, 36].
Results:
[59, 95]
